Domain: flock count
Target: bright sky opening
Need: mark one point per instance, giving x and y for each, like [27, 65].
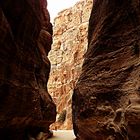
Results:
[55, 6]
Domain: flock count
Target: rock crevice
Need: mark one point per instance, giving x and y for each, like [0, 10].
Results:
[66, 56]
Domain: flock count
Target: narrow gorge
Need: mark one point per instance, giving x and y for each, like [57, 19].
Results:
[82, 72]
[66, 57]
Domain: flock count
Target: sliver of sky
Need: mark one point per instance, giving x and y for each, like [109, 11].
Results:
[55, 6]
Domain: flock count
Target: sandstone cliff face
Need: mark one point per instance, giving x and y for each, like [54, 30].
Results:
[66, 56]
[106, 99]
[26, 107]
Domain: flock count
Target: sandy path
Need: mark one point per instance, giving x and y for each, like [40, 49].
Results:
[63, 135]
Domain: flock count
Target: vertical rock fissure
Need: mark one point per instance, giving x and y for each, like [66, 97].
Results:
[66, 56]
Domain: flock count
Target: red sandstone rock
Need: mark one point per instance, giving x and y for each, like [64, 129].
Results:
[106, 98]
[26, 107]
[66, 56]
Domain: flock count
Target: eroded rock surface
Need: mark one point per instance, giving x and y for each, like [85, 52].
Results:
[66, 56]
[26, 107]
[106, 99]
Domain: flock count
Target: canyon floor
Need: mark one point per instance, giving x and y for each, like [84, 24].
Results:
[63, 135]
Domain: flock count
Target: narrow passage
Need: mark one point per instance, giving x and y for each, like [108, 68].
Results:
[63, 135]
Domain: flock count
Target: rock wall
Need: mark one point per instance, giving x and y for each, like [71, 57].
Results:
[26, 107]
[106, 99]
[66, 56]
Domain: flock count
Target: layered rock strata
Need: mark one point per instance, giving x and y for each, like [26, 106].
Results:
[106, 99]
[26, 107]
[66, 56]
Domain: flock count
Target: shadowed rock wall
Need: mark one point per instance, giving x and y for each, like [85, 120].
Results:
[66, 56]
[26, 107]
[106, 99]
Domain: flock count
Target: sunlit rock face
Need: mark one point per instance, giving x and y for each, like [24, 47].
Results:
[66, 56]
[26, 107]
[106, 99]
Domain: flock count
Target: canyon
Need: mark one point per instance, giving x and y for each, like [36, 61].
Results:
[66, 57]
[94, 80]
